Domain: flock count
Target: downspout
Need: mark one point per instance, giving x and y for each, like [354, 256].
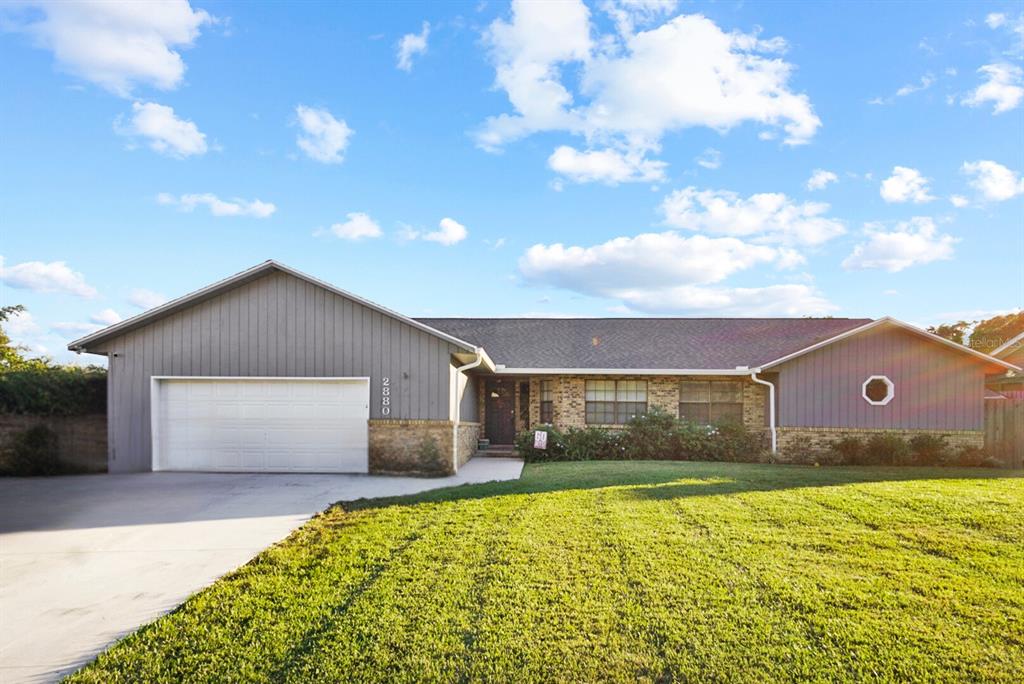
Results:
[458, 405]
[771, 406]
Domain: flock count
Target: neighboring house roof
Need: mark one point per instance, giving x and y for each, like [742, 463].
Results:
[992, 394]
[1009, 346]
[641, 343]
[246, 276]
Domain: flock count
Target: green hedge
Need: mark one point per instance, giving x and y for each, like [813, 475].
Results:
[54, 391]
[655, 435]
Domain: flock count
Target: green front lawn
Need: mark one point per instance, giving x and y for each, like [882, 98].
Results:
[624, 571]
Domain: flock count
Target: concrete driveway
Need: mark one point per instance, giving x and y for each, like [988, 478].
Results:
[86, 559]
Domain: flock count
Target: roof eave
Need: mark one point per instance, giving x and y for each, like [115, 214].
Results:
[82, 344]
[1008, 344]
[501, 370]
[889, 320]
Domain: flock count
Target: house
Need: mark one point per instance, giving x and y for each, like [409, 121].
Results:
[272, 370]
[1009, 385]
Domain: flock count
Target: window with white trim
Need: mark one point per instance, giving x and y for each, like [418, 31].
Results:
[878, 390]
[709, 402]
[615, 402]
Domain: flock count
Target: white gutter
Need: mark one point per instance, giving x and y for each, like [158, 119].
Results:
[500, 370]
[458, 404]
[771, 406]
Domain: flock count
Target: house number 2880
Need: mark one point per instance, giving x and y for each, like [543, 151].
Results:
[385, 396]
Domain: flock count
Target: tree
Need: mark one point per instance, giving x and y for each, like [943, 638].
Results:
[995, 331]
[984, 335]
[952, 331]
[12, 356]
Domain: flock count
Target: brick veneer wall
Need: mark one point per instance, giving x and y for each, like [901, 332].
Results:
[81, 440]
[793, 443]
[469, 434]
[569, 397]
[397, 446]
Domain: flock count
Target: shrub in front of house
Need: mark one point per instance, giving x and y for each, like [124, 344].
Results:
[555, 450]
[971, 457]
[594, 444]
[848, 451]
[886, 448]
[929, 449]
[30, 453]
[732, 441]
[653, 436]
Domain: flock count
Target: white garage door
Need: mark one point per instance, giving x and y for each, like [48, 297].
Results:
[261, 425]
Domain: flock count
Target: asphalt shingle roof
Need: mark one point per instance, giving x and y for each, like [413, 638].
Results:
[656, 343]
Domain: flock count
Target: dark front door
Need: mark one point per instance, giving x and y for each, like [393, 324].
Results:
[500, 411]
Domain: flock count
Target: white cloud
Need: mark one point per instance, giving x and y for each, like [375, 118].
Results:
[74, 328]
[926, 82]
[145, 299]
[992, 180]
[627, 14]
[821, 178]
[412, 44]
[52, 277]
[789, 258]
[359, 226]
[323, 137]
[449, 232]
[218, 207]
[635, 88]
[106, 317]
[605, 166]
[20, 324]
[958, 201]
[995, 19]
[912, 243]
[1002, 87]
[905, 185]
[119, 45]
[667, 272]
[765, 217]
[165, 132]
[646, 260]
[772, 300]
[710, 158]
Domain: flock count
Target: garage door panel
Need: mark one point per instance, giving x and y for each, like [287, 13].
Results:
[285, 425]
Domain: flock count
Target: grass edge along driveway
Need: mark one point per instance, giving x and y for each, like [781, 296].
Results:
[624, 571]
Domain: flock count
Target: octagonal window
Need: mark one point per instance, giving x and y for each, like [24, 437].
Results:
[878, 390]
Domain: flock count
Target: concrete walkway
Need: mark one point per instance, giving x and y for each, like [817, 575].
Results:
[86, 559]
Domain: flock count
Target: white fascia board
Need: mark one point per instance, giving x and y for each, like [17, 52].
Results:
[1006, 345]
[157, 312]
[888, 320]
[623, 371]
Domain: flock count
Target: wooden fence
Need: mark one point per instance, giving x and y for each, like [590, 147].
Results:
[1004, 431]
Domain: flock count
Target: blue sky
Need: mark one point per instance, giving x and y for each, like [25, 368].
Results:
[487, 159]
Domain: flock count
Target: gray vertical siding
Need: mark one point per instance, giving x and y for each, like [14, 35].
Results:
[277, 325]
[936, 387]
[468, 408]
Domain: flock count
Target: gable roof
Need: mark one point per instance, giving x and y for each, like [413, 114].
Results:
[889, 321]
[641, 344]
[237, 280]
[1009, 346]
